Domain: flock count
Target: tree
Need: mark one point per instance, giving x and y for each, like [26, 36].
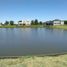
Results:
[65, 22]
[32, 22]
[1, 23]
[6, 23]
[11, 22]
[36, 22]
[40, 23]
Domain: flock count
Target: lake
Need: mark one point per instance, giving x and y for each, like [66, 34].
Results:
[32, 41]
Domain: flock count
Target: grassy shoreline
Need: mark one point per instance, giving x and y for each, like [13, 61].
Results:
[58, 27]
[36, 26]
[14, 26]
[35, 61]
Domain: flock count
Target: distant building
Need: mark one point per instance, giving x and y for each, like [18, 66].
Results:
[19, 22]
[55, 22]
[27, 23]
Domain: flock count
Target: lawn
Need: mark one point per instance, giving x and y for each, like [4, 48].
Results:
[8, 26]
[35, 61]
[36, 26]
[58, 27]
[21, 26]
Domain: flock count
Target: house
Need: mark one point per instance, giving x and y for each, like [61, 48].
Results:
[49, 22]
[55, 22]
[19, 22]
[27, 23]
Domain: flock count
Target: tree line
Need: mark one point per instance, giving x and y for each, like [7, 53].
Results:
[36, 22]
[9, 23]
[33, 22]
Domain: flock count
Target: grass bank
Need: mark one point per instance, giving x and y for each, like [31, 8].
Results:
[58, 27]
[35, 61]
[15, 26]
[8, 26]
[36, 26]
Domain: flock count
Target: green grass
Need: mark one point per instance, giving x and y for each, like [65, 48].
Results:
[36, 26]
[58, 27]
[35, 61]
[14, 26]
[31, 26]
[8, 26]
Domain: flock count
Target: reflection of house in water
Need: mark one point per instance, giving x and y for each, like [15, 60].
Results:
[27, 23]
[55, 22]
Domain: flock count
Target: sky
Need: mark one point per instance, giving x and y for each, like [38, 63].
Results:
[42, 10]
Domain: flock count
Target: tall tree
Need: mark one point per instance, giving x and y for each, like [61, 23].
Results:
[11, 22]
[65, 22]
[6, 22]
[32, 22]
[36, 22]
[40, 23]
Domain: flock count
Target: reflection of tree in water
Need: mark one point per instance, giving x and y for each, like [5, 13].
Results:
[35, 31]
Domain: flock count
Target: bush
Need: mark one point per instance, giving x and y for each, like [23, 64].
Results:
[11, 22]
[65, 22]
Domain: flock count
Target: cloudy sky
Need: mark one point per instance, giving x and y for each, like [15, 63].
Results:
[33, 9]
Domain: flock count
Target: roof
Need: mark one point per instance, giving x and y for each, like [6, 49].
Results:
[56, 20]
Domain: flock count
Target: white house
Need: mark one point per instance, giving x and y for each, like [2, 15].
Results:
[58, 22]
[55, 22]
[62, 22]
[27, 23]
[19, 22]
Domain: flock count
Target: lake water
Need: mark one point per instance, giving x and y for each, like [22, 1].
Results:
[32, 41]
